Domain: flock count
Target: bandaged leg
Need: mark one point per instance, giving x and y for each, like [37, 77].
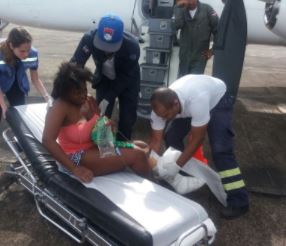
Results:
[181, 184]
[185, 184]
[200, 172]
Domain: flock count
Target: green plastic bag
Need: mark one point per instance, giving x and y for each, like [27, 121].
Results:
[102, 136]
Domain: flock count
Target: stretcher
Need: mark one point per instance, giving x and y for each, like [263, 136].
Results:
[116, 209]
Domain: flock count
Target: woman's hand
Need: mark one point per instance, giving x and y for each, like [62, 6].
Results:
[93, 105]
[83, 173]
[90, 108]
[142, 145]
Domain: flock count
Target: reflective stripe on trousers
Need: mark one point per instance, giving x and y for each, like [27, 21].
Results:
[229, 179]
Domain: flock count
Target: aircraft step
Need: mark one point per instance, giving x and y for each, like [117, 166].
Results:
[155, 70]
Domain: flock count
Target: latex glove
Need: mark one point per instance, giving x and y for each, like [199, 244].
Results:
[49, 102]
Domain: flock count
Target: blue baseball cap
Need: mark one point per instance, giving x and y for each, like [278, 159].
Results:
[109, 34]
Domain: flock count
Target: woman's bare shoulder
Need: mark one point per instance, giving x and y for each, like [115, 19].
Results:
[58, 108]
[55, 117]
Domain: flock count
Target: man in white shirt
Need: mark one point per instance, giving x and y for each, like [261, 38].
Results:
[201, 98]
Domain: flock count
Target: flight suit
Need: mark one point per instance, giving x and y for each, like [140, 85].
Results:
[194, 37]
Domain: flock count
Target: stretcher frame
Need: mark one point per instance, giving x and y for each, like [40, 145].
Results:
[21, 170]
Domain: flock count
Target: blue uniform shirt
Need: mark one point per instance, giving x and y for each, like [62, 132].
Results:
[125, 60]
[8, 74]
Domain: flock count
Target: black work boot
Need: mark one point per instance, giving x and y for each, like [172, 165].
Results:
[233, 212]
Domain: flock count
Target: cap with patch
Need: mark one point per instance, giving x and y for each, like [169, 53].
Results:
[109, 34]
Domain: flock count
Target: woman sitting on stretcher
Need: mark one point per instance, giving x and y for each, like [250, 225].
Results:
[67, 133]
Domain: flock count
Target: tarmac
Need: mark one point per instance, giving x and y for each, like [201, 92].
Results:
[260, 128]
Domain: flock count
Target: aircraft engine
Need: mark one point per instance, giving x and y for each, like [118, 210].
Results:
[275, 17]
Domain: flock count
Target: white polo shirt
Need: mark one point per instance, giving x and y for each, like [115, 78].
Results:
[198, 95]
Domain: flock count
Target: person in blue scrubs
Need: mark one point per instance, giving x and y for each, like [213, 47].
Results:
[16, 56]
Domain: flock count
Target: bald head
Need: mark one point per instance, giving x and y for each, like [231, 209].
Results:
[165, 103]
[164, 96]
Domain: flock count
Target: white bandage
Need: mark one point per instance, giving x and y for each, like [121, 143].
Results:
[167, 166]
[185, 184]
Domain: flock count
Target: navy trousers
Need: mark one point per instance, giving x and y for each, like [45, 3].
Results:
[221, 136]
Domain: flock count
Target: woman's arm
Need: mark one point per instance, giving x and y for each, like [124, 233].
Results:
[3, 105]
[53, 123]
[39, 84]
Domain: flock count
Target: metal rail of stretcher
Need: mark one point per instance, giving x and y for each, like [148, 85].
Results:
[79, 229]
